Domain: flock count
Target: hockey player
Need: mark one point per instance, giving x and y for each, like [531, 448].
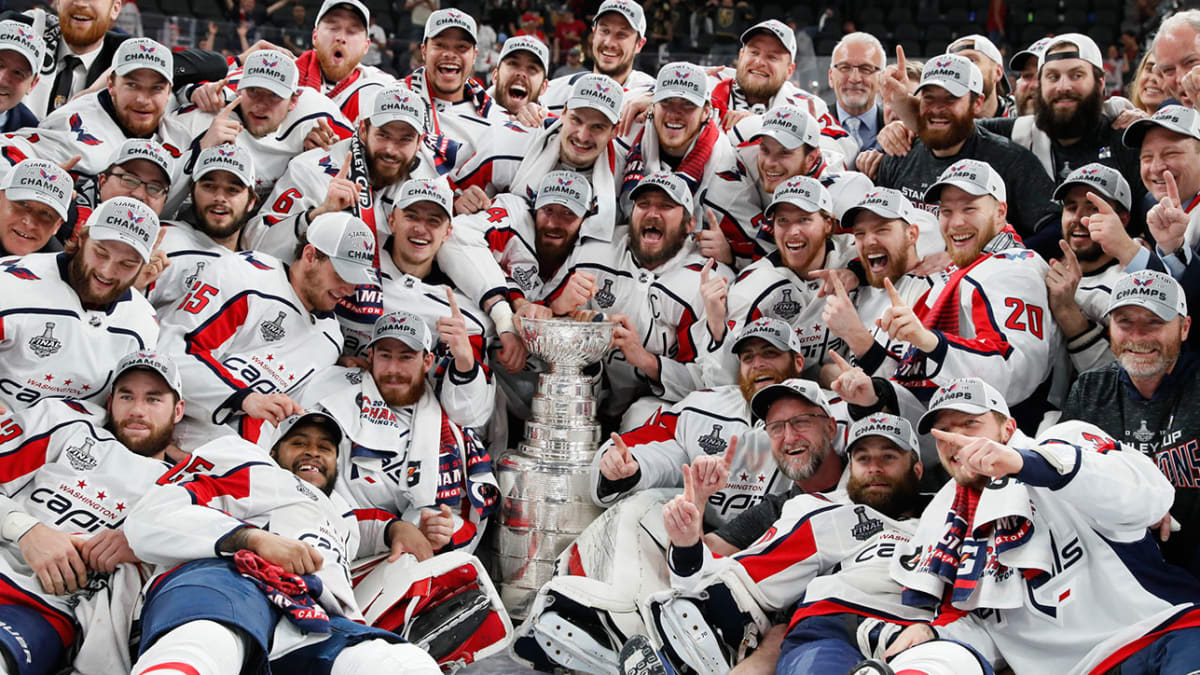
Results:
[987, 317]
[67, 317]
[618, 35]
[21, 54]
[141, 169]
[652, 273]
[406, 455]
[1080, 284]
[251, 331]
[145, 405]
[256, 577]
[1037, 545]
[997, 101]
[222, 196]
[31, 214]
[521, 75]
[334, 65]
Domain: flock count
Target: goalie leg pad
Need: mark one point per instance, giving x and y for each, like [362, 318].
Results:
[638, 657]
[605, 612]
[690, 637]
[572, 647]
[443, 628]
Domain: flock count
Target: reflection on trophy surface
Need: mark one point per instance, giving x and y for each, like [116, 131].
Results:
[544, 482]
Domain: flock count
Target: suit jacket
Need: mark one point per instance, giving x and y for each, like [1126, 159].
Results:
[19, 118]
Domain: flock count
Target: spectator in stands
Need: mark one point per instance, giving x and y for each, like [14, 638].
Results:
[854, 74]
[1114, 70]
[1146, 91]
[568, 33]
[419, 14]
[297, 36]
[377, 46]
[574, 63]
[531, 25]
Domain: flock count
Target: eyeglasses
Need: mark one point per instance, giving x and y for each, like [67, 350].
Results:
[133, 182]
[799, 423]
[866, 69]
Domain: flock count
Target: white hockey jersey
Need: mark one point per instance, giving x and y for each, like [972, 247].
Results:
[1091, 348]
[884, 356]
[242, 329]
[559, 89]
[51, 345]
[188, 251]
[468, 121]
[1093, 580]
[836, 143]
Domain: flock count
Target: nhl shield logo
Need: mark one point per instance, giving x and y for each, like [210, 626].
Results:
[866, 527]
[273, 331]
[712, 443]
[604, 297]
[45, 344]
[524, 275]
[81, 457]
[787, 307]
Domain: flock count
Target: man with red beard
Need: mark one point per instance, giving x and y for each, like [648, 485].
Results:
[949, 97]
[765, 63]
[405, 454]
[997, 102]
[618, 35]
[80, 47]
[145, 405]
[1081, 283]
[522, 73]
[987, 316]
[68, 317]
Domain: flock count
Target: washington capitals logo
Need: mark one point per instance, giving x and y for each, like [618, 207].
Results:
[871, 195]
[601, 88]
[147, 48]
[943, 64]
[950, 388]
[960, 167]
[565, 182]
[271, 64]
[327, 164]
[255, 262]
[682, 75]
[782, 115]
[876, 420]
[136, 220]
[223, 153]
[20, 272]
[47, 176]
[401, 99]
[81, 135]
[22, 33]
[453, 14]
[429, 186]
[1139, 282]
[1089, 172]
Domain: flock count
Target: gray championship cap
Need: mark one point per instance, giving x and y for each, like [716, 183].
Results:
[777, 332]
[979, 43]
[598, 92]
[682, 80]
[435, 190]
[1101, 178]
[567, 188]
[145, 149]
[885, 203]
[20, 38]
[353, 5]
[790, 126]
[41, 181]
[397, 103]
[971, 176]
[137, 53]
[126, 220]
[776, 29]
[956, 74]
[677, 190]
[271, 70]
[226, 157]
[803, 192]
[349, 243]
[630, 11]
[1033, 51]
[1085, 48]
[312, 417]
[406, 327]
[157, 362]
[886, 425]
[527, 43]
[1180, 119]
[445, 19]
[805, 389]
[1151, 290]
[965, 394]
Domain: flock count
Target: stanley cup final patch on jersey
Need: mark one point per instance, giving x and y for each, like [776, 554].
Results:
[605, 297]
[80, 456]
[712, 443]
[45, 344]
[866, 527]
[273, 331]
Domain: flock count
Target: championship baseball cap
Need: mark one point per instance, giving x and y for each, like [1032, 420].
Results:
[885, 203]
[598, 92]
[348, 242]
[137, 53]
[145, 149]
[226, 157]
[527, 43]
[312, 417]
[790, 126]
[1033, 51]
[1103, 179]
[405, 327]
[965, 394]
[804, 192]
[973, 177]
[892, 427]
[1085, 48]
[568, 188]
[777, 332]
[630, 11]
[20, 38]
[1180, 119]
[126, 220]
[956, 74]
[445, 19]
[1151, 290]
[984, 46]
[669, 183]
[156, 362]
[681, 80]
[435, 190]
[808, 390]
[353, 5]
[397, 103]
[270, 70]
[41, 181]
[777, 29]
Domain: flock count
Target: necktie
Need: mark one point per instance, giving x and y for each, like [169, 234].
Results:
[853, 125]
[62, 83]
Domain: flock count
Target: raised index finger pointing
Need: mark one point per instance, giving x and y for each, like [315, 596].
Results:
[897, 301]
[1101, 203]
[901, 65]
[708, 265]
[1172, 189]
[727, 459]
[454, 311]
[841, 363]
[712, 219]
[229, 108]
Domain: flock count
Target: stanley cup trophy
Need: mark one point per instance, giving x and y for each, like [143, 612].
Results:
[544, 483]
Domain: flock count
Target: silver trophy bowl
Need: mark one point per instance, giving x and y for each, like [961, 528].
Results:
[567, 346]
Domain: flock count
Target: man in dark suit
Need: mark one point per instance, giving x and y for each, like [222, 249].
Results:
[854, 74]
[80, 47]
